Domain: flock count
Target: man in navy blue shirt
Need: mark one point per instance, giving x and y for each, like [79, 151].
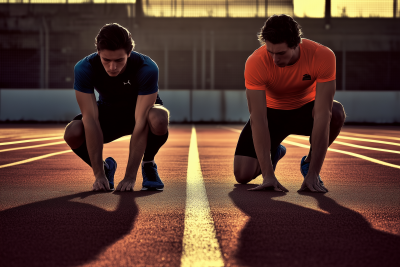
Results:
[127, 83]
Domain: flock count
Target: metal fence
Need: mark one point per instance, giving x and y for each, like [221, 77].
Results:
[249, 8]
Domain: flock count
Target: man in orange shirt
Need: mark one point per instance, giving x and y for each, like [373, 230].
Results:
[290, 84]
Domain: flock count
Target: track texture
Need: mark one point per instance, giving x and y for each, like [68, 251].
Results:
[49, 216]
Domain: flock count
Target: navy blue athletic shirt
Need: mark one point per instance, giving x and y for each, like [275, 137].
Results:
[139, 78]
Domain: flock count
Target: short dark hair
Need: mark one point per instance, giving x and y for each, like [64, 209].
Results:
[279, 29]
[113, 37]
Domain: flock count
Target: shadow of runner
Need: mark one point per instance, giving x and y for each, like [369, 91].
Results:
[60, 232]
[283, 234]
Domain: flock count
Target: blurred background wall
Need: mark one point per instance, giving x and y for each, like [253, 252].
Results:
[198, 45]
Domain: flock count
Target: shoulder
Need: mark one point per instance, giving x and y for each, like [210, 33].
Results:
[84, 65]
[143, 64]
[259, 59]
[258, 56]
[313, 48]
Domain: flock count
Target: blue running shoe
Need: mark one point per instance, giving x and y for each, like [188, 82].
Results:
[110, 171]
[304, 166]
[151, 180]
[280, 153]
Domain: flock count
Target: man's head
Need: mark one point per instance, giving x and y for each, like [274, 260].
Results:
[282, 35]
[114, 44]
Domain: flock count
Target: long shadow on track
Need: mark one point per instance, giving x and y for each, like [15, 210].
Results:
[60, 232]
[283, 234]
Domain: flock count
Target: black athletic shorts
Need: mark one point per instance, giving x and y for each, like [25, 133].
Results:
[281, 123]
[116, 120]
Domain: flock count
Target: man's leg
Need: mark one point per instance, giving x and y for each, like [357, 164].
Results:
[337, 121]
[74, 136]
[158, 133]
[245, 164]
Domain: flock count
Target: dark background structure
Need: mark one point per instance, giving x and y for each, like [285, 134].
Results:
[196, 44]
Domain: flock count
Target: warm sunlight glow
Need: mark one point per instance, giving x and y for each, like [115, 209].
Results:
[247, 8]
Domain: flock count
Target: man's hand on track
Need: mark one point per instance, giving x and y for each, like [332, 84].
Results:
[101, 184]
[312, 183]
[270, 183]
[126, 185]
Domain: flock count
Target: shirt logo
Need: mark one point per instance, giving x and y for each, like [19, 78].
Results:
[125, 83]
[306, 77]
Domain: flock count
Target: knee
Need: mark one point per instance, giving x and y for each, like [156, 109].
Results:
[241, 175]
[338, 115]
[74, 134]
[158, 120]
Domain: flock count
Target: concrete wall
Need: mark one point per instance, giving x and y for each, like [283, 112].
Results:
[196, 105]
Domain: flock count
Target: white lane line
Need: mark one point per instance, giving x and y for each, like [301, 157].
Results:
[200, 244]
[369, 140]
[372, 136]
[334, 150]
[352, 145]
[35, 146]
[49, 155]
[35, 158]
[30, 140]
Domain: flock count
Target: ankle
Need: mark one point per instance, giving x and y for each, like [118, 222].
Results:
[145, 161]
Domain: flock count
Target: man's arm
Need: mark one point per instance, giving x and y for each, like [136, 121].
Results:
[94, 138]
[322, 114]
[138, 140]
[262, 142]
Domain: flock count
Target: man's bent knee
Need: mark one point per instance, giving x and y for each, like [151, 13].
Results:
[74, 134]
[241, 176]
[245, 169]
[158, 120]
[338, 114]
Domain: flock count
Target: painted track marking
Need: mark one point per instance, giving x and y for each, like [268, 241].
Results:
[372, 136]
[334, 150]
[30, 140]
[200, 245]
[49, 155]
[369, 140]
[349, 144]
[35, 158]
[35, 146]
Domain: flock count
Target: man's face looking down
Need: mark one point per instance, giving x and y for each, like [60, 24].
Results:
[282, 54]
[114, 62]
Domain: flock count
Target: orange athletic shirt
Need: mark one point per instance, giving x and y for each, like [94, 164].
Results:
[293, 86]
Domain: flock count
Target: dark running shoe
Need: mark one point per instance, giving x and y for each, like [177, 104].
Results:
[151, 180]
[304, 166]
[280, 153]
[110, 171]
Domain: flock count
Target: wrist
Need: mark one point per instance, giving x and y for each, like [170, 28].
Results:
[129, 178]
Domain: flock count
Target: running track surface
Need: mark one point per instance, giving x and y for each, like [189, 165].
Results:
[49, 216]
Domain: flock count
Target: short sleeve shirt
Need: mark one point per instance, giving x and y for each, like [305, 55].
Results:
[293, 86]
[139, 78]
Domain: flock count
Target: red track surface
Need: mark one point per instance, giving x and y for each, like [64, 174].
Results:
[49, 216]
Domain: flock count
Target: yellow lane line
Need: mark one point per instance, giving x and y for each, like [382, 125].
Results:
[35, 158]
[30, 140]
[49, 155]
[369, 140]
[372, 136]
[27, 147]
[334, 150]
[352, 145]
[200, 245]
